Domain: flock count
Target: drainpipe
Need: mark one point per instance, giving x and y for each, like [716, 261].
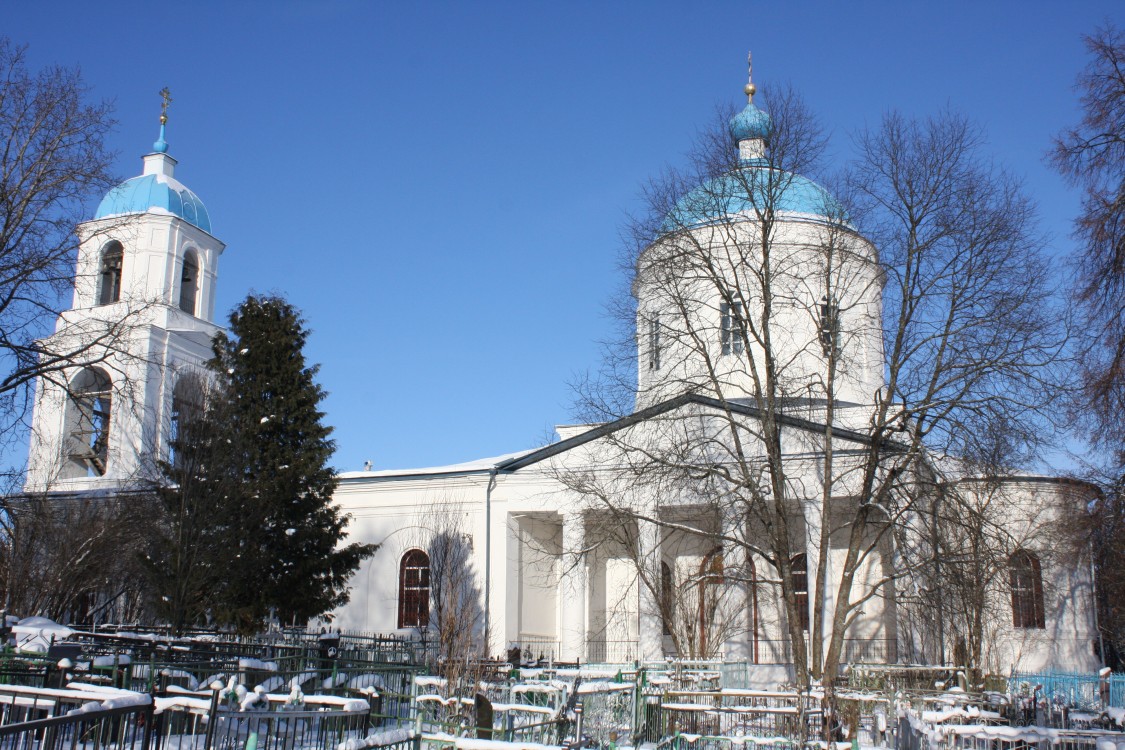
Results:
[488, 557]
[1095, 600]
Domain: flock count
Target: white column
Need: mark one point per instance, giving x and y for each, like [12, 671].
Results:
[572, 589]
[739, 609]
[651, 626]
[814, 518]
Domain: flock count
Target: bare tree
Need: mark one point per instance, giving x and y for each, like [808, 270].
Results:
[790, 366]
[73, 559]
[54, 160]
[1092, 157]
[455, 611]
[1099, 535]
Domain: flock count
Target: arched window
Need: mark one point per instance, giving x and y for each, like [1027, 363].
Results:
[710, 579]
[109, 273]
[414, 590]
[800, 567]
[187, 405]
[87, 424]
[667, 598]
[1027, 590]
[189, 283]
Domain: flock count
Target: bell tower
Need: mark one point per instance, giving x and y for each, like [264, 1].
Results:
[142, 315]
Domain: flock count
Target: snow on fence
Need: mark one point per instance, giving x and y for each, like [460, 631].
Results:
[121, 722]
[1076, 689]
[85, 715]
[180, 729]
[771, 716]
[915, 733]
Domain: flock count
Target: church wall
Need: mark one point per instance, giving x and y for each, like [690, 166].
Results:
[1034, 515]
[529, 600]
[401, 515]
[154, 247]
[535, 565]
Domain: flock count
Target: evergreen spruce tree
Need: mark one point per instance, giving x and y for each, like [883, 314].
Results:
[283, 552]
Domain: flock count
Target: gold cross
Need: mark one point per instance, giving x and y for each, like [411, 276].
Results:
[166, 96]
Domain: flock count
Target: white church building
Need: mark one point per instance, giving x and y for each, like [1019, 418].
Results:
[590, 548]
[601, 547]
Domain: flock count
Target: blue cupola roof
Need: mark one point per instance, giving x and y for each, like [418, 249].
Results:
[748, 190]
[753, 186]
[149, 193]
[156, 191]
[749, 124]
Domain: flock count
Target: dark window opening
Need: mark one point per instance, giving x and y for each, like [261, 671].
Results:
[109, 282]
[187, 405]
[189, 284]
[414, 590]
[91, 403]
[710, 578]
[667, 598]
[800, 567]
[1027, 590]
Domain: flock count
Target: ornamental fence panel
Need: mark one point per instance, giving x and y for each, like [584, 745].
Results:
[1084, 690]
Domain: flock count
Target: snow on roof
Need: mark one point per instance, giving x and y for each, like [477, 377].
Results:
[480, 464]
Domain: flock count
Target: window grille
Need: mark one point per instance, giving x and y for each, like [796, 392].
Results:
[1027, 590]
[667, 598]
[414, 590]
[733, 326]
[829, 326]
[110, 283]
[800, 568]
[189, 284]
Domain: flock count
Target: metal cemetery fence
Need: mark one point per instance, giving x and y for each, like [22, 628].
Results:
[671, 705]
[1077, 689]
[123, 728]
[916, 734]
[263, 730]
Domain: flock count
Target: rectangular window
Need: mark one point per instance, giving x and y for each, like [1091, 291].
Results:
[829, 326]
[654, 342]
[732, 326]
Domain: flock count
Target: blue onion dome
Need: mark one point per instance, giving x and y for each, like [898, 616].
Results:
[156, 190]
[749, 124]
[753, 187]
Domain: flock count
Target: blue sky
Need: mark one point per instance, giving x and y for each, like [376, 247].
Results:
[440, 186]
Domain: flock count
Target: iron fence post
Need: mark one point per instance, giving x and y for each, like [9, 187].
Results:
[212, 716]
[149, 715]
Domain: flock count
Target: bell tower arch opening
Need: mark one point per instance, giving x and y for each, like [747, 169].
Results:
[88, 418]
[189, 282]
[109, 273]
